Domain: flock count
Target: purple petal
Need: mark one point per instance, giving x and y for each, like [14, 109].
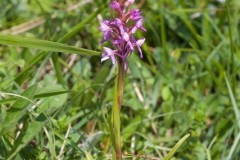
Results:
[118, 22]
[130, 45]
[104, 26]
[116, 6]
[140, 42]
[129, 2]
[139, 23]
[108, 53]
[104, 57]
[134, 29]
[126, 36]
[135, 14]
[106, 29]
[140, 51]
[106, 36]
[121, 30]
[113, 59]
[143, 29]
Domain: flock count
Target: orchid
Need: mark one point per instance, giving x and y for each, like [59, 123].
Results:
[120, 30]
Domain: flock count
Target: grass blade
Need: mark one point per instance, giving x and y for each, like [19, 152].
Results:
[176, 147]
[44, 45]
[234, 146]
[234, 103]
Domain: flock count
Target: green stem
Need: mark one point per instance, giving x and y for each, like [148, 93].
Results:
[118, 94]
[120, 84]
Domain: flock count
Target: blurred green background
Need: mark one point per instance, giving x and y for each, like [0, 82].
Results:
[187, 82]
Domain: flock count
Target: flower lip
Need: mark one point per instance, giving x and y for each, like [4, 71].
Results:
[103, 27]
[108, 53]
[106, 29]
[139, 44]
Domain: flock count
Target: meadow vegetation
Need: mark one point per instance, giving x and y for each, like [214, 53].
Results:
[56, 95]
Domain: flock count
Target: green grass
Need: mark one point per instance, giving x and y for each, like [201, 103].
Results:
[181, 101]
